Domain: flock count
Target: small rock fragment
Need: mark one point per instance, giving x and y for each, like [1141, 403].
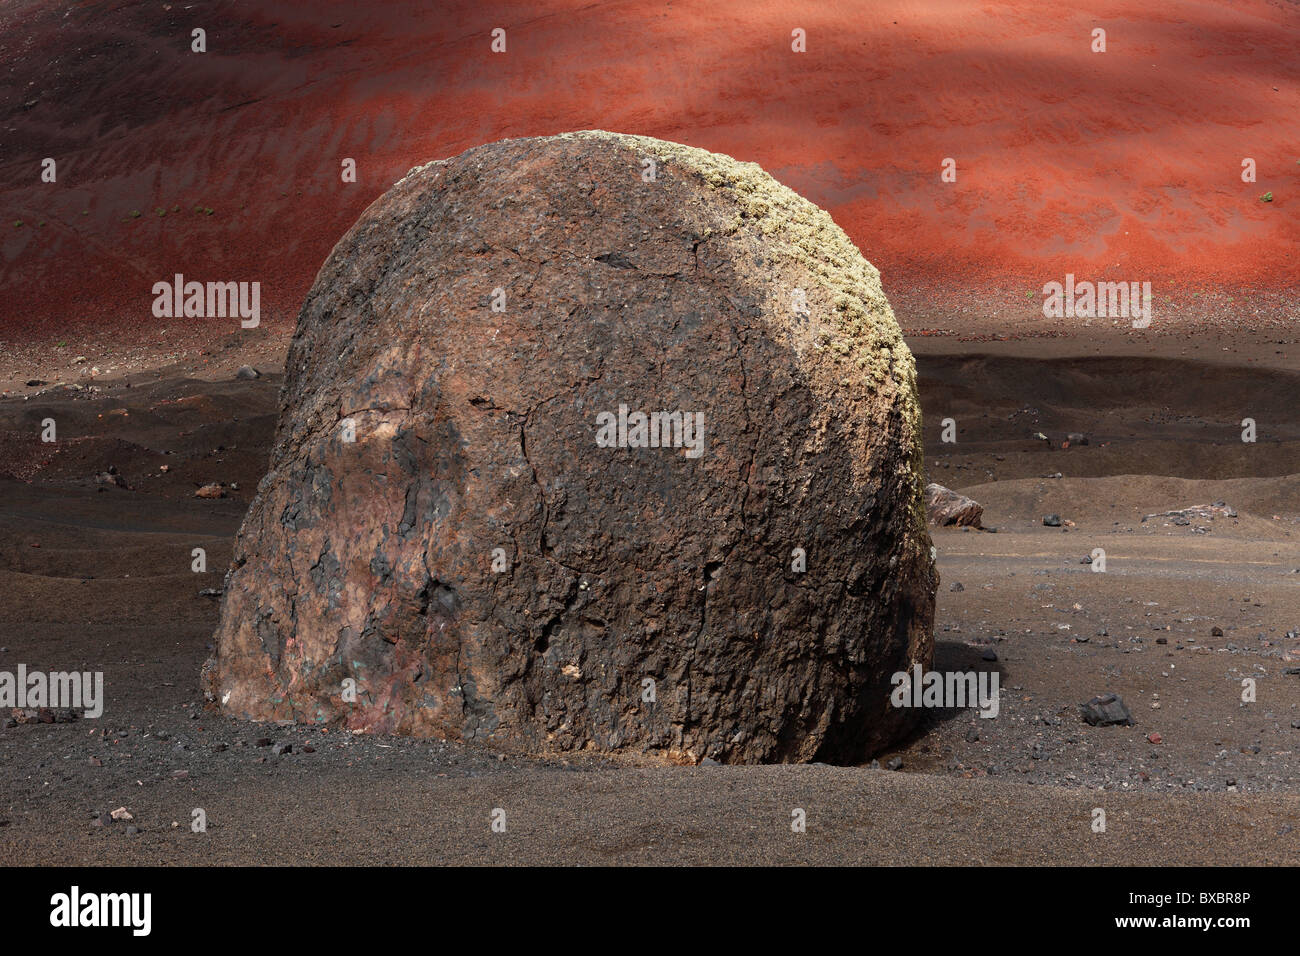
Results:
[948, 508]
[1105, 710]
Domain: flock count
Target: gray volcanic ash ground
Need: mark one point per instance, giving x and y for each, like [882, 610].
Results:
[98, 576]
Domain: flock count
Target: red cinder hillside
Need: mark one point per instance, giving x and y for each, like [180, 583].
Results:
[225, 165]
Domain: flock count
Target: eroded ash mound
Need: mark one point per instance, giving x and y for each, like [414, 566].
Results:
[636, 464]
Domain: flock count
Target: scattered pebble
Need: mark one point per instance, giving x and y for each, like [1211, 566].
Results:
[1106, 710]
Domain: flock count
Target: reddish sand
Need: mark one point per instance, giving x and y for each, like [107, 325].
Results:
[1117, 165]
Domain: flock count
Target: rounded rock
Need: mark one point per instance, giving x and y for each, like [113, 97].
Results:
[590, 441]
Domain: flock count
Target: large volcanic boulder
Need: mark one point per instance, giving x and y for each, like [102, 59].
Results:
[589, 441]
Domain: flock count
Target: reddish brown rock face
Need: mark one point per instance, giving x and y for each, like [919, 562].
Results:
[947, 507]
[504, 554]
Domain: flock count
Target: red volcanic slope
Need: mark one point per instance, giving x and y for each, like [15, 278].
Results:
[1123, 164]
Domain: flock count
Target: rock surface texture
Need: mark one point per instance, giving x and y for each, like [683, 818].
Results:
[468, 531]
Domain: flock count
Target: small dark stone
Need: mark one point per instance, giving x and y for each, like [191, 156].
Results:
[284, 747]
[264, 741]
[972, 735]
[956, 586]
[895, 763]
[1162, 640]
[247, 373]
[990, 655]
[1105, 710]
[709, 762]
[1052, 521]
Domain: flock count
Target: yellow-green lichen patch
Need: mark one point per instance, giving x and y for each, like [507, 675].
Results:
[803, 231]
[867, 337]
